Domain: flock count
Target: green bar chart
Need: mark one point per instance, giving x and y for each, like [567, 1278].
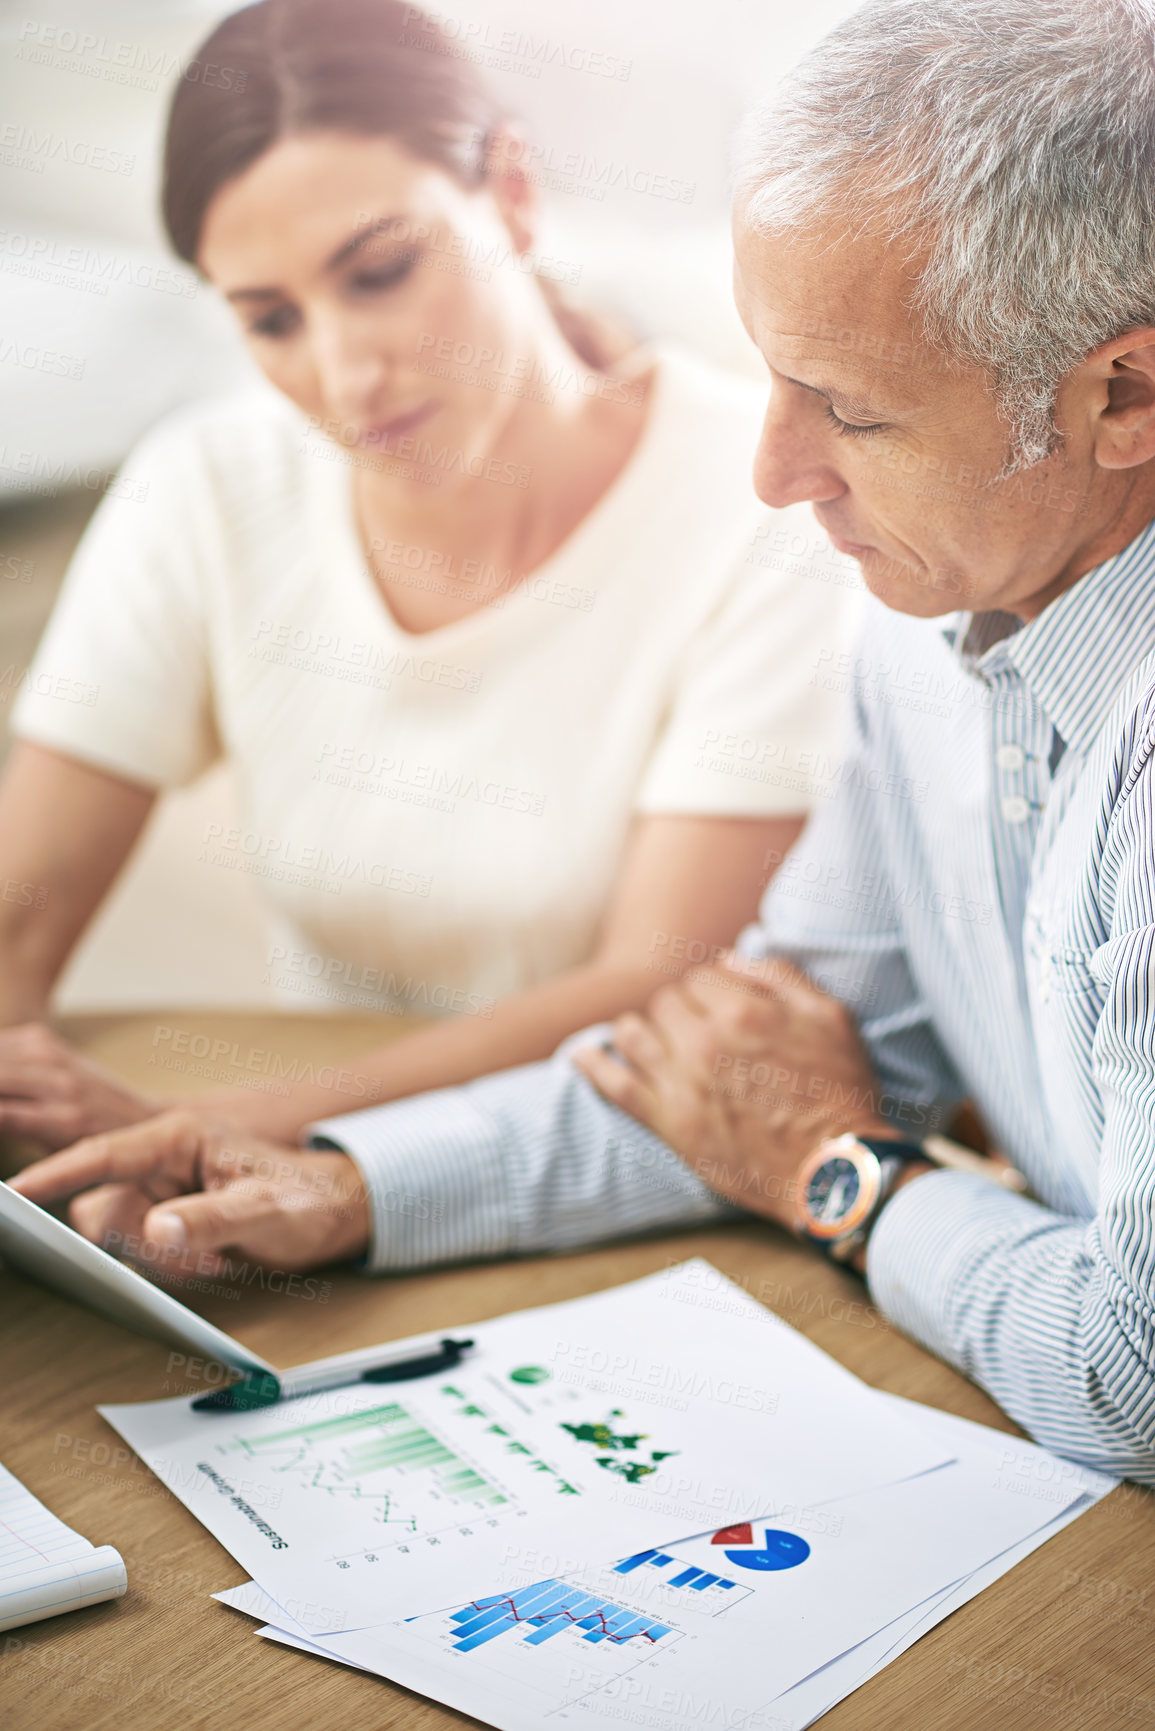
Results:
[383, 1443]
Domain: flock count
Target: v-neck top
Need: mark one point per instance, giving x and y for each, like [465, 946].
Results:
[438, 818]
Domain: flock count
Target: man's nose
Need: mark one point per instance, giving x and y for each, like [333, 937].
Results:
[791, 464]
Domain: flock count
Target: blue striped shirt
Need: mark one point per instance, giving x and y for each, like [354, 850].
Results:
[980, 889]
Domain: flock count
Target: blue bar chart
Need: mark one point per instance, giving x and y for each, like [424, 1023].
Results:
[551, 1608]
[548, 1609]
[716, 1589]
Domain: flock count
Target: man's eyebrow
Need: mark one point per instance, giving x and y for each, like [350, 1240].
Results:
[848, 400]
[346, 250]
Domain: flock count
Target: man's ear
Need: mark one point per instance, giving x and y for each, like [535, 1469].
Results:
[1124, 414]
[508, 180]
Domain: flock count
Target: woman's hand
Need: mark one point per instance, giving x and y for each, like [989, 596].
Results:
[178, 1193]
[49, 1091]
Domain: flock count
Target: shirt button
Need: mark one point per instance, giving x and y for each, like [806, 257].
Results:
[1010, 757]
[1015, 808]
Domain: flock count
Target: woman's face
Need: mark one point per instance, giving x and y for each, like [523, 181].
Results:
[381, 296]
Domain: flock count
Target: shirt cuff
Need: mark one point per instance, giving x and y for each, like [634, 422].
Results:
[923, 1249]
[437, 1179]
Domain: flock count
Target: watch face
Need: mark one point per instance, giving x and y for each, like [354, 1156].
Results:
[837, 1188]
[833, 1191]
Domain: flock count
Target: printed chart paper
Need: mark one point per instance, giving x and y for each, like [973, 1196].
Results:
[738, 1617]
[573, 1432]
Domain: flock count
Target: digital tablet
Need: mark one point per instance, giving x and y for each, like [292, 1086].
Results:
[42, 1246]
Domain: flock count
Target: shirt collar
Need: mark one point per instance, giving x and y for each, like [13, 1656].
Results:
[1076, 656]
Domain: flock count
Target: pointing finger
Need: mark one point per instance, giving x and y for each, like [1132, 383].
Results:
[49, 1120]
[21, 1080]
[161, 1154]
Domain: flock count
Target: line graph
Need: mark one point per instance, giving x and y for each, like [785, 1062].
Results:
[399, 1470]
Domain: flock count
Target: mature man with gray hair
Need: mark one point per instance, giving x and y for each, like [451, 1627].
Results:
[945, 239]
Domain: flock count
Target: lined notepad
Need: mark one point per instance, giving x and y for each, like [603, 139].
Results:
[45, 1567]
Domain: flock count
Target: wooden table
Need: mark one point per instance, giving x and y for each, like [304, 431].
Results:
[1066, 1640]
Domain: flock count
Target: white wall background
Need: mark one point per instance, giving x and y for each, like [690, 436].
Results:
[694, 67]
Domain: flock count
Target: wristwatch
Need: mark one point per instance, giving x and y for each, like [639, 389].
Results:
[843, 1185]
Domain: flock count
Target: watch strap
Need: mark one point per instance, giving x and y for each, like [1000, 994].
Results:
[909, 1153]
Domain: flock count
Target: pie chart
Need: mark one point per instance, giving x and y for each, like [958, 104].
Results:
[778, 1549]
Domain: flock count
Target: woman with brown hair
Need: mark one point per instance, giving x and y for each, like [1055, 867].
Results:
[464, 590]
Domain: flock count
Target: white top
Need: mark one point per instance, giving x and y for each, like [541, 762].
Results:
[444, 813]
